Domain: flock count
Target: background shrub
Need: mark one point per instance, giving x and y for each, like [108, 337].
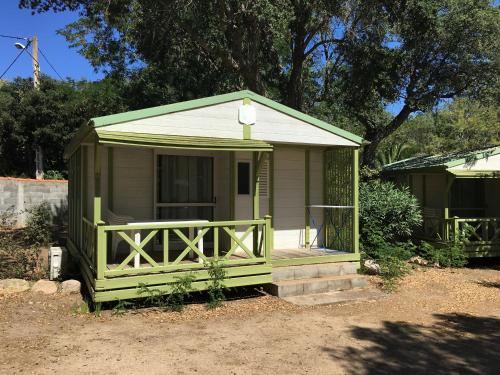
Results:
[38, 225]
[20, 256]
[391, 212]
[388, 217]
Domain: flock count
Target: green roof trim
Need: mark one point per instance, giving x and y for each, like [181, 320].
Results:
[180, 141]
[441, 162]
[218, 99]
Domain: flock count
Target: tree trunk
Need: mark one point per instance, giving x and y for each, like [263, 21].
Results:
[375, 135]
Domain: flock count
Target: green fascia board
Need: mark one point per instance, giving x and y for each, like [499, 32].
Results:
[212, 100]
[474, 174]
[179, 141]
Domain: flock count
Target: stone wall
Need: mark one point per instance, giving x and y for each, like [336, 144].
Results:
[20, 194]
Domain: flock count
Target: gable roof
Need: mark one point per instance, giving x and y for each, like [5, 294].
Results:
[212, 100]
[442, 161]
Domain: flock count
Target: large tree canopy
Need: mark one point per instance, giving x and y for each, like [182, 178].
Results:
[351, 57]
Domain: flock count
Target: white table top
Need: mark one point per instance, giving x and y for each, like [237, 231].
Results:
[201, 221]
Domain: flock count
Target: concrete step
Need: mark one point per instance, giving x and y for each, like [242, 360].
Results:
[288, 288]
[334, 297]
[314, 270]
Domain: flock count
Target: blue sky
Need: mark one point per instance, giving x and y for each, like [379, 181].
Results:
[20, 22]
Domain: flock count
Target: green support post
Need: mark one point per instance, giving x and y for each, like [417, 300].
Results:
[355, 203]
[101, 251]
[110, 178]
[268, 237]
[446, 205]
[85, 189]
[232, 188]
[100, 243]
[257, 158]
[271, 196]
[307, 202]
[97, 184]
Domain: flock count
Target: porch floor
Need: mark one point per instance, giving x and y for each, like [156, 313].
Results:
[278, 254]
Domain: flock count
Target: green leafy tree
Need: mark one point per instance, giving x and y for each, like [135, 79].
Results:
[355, 57]
[47, 117]
[461, 125]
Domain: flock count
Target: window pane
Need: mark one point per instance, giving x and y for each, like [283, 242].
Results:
[185, 179]
[243, 178]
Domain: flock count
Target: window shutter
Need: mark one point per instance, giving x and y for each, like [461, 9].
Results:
[264, 178]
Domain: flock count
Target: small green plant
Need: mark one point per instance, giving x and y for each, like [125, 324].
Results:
[97, 309]
[37, 231]
[392, 270]
[53, 175]
[451, 254]
[80, 308]
[180, 292]
[121, 307]
[173, 301]
[153, 296]
[216, 286]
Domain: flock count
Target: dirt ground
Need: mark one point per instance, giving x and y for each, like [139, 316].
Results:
[439, 322]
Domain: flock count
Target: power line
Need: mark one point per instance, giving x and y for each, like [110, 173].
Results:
[13, 61]
[14, 37]
[48, 62]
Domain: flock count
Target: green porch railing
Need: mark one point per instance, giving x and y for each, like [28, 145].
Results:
[480, 231]
[227, 246]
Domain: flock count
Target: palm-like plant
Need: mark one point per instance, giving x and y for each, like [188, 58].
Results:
[391, 154]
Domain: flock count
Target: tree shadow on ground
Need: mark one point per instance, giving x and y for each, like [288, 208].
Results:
[455, 344]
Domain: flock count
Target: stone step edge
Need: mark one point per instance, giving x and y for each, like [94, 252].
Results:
[355, 295]
[318, 279]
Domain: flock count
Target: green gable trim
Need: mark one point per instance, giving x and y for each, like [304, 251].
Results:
[180, 141]
[440, 162]
[218, 99]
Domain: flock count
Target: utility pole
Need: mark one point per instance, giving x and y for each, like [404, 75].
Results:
[36, 84]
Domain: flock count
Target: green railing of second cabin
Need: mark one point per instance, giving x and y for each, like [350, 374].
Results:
[478, 231]
[228, 251]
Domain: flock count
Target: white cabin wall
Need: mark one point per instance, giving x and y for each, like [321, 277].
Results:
[289, 197]
[133, 182]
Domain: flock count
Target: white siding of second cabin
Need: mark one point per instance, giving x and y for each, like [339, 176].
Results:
[221, 121]
[491, 163]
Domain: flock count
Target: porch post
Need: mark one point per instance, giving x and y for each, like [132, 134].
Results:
[307, 233]
[271, 198]
[355, 199]
[232, 187]
[232, 183]
[257, 158]
[110, 178]
[97, 183]
[100, 243]
[446, 208]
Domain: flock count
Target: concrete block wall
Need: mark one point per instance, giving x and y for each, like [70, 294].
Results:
[21, 194]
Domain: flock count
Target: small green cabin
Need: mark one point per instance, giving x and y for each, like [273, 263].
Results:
[456, 190]
[236, 178]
